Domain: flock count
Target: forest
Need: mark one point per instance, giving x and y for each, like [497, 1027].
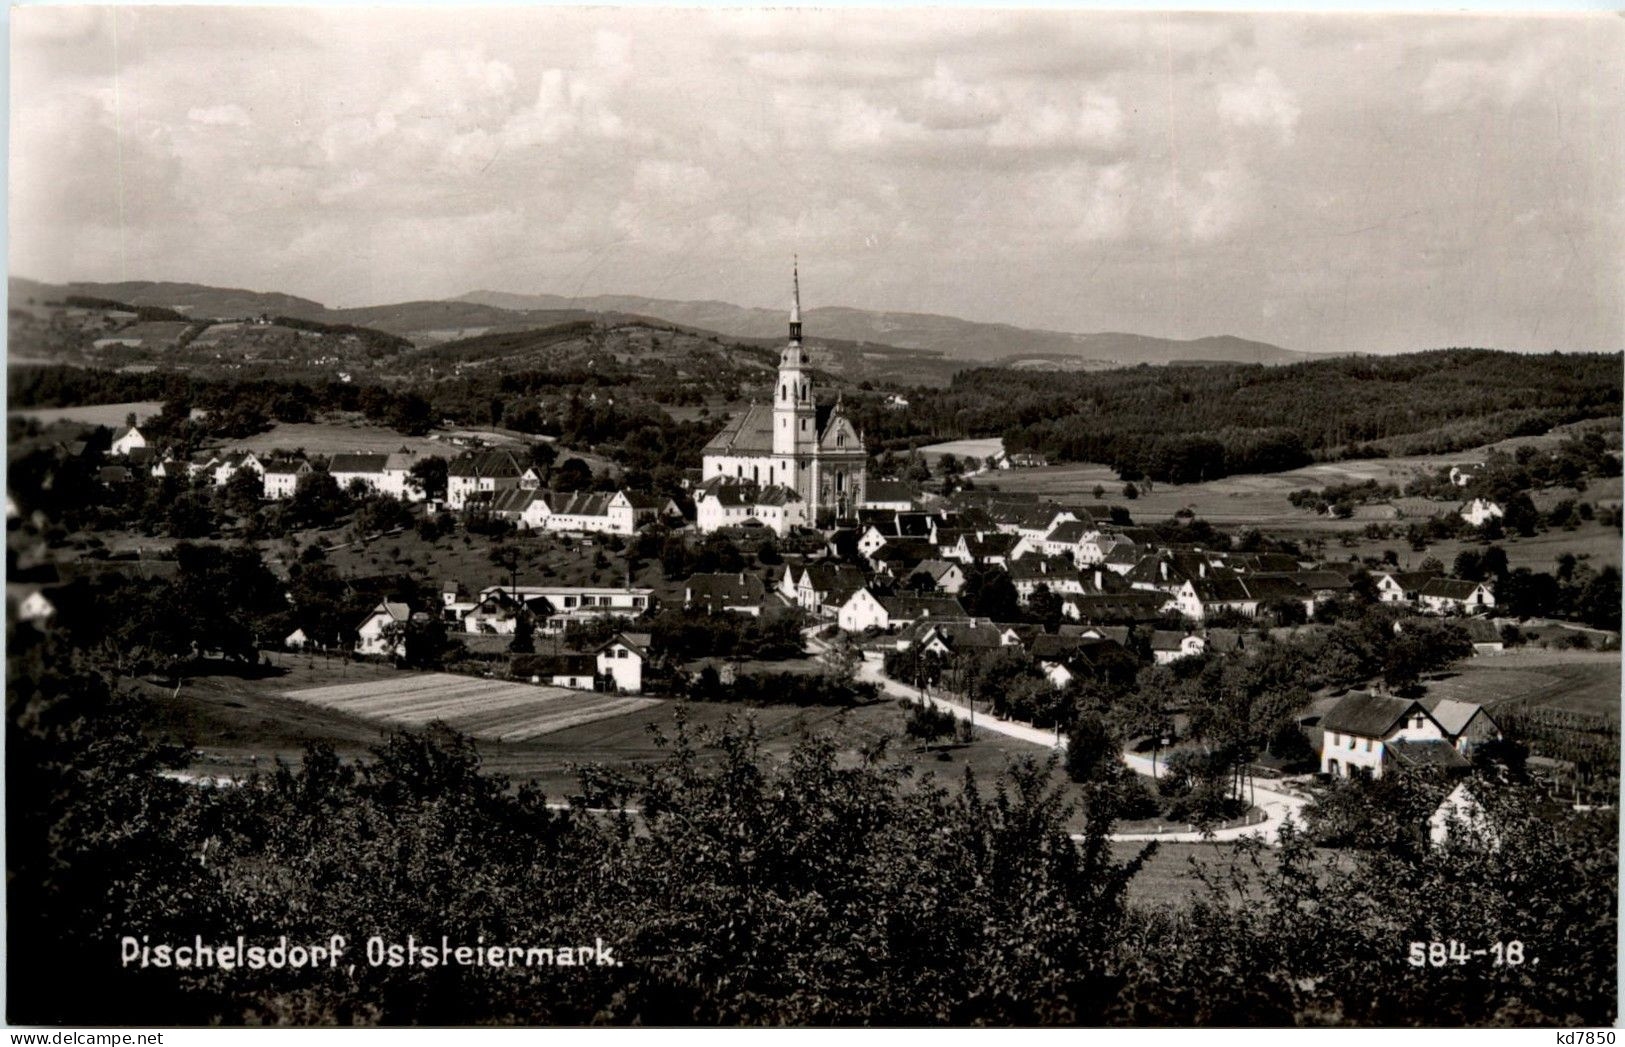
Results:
[1186, 424]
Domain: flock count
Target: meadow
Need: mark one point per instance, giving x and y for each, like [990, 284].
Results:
[110, 415]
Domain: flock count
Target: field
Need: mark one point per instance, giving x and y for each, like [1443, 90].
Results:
[1261, 501]
[492, 710]
[110, 415]
[978, 449]
[1576, 681]
[337, 437]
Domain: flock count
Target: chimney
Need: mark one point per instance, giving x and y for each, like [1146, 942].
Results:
[1098, 583]
[1164, 566]
[1201, 570]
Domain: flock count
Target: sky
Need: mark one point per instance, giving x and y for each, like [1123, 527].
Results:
[1323, 182]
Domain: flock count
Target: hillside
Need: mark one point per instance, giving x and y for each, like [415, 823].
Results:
[955, 339]
[1191, 423]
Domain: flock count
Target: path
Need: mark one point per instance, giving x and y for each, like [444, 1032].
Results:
[1276, 805]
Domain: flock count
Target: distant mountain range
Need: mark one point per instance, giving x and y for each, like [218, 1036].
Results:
[952, 340]
[957, 339]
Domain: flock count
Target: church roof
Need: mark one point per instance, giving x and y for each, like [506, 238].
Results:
[750, 432]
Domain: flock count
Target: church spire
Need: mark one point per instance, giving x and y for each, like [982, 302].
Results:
[795, 299]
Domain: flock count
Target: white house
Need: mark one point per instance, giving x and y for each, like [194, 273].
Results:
[223, 469]
[580, 512]
[484, 473]
[1364, 733]
[1460, 818]
[127, 440]
[1481, 511]
[1168, 646]
[282, 478]
[383, 631]
[887, 494]
[729, 502]
[1456, 596]
[1464, 473]
[621, 660]
[866, 609]
[347, 469]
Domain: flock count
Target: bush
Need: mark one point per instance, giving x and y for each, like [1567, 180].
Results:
[928, 723]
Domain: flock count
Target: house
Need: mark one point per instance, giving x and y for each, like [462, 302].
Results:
[1466, 725]
[1028, 460]
[1465, 473]
[816, 585]
[126, 440]
[719, 593]
[29, 605]
[114, 476]
[479, 473]
[573, 669]
[1170, 646]
[1481, 511]
[1461, 819]
[887, 494]
[1485, 636]
[724, 501]
[1067, 539]
[1243, 594]
[945, 576]
[282, 478]
[1364, 733]
[383, 632]
[1117, 607]
[296, 640]
[558, 605]
[1055, 574]
[365, 469]
[866, 609]
[1456, 596]
[1064, 658]
[1400, 586]
[621, 661]
[224, 468]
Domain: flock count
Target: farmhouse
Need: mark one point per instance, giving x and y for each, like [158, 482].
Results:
[1481, 511]
[1400, 586]
[1168, 646]
[866, 609]
[887, 494]
[728, 502]
[718, 593]
[944, 576]
[621, 661]
[282, 478]
[1363, 733]
[471, 475]
[383, 631]
[1456, 596]
[126, 440]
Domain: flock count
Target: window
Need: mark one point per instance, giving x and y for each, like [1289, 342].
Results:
[1368, 745]
[840, 440]
[784, 392]
[804, 425]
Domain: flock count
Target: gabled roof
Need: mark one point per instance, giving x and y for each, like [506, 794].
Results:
[748, 432]
[289, 466]
[1368, 715]
[494, 464]
[912, 605]
[888, 491]
[1071, 532]
[725, 589]
[515, 500]
[1440, 755]
[1452, 715]
[1451, 588]
[358, 463]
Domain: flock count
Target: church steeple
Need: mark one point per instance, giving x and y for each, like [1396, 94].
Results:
[795, 300]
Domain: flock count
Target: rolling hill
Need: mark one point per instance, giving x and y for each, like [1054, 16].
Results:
[954, 338]
[899, 346]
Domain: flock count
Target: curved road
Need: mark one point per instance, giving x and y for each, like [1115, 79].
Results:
[1276, 805]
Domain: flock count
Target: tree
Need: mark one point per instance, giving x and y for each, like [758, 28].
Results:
[523, 634]
[573, 475]
[428, 476]
[1130, 491]
[411, 415]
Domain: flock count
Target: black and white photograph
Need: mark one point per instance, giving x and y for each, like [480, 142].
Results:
[898, 517]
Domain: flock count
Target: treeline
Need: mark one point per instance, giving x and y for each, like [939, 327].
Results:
[1188, 423]
[144, 313]
[378, 342]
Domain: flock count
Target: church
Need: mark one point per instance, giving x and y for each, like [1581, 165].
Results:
[796, 443]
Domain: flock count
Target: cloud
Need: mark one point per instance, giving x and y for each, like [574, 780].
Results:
[219, 116]
[1262, 101]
